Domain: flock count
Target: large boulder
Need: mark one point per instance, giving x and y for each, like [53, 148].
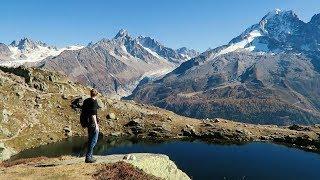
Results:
[136, 126]
[41, 86]
[189, 130]
[5, 132]
[5, 115]
[111, 116]
[77, 102]
[160, 131]
[67, 131]
[100, 104]
[5, 152]
[2, 81]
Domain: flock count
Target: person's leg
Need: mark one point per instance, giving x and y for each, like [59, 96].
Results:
[95, 138]
[92, 141]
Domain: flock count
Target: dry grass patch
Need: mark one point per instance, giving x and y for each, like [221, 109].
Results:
[122, 171]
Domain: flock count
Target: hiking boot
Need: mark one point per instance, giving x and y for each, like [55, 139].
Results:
[91, 160]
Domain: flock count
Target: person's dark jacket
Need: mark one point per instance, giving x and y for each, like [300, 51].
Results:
[89, 108]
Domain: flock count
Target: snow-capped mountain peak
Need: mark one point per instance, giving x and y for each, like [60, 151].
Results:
[279, 13]
[122, 33]
[280, 23]
[142, 47]
[282, 14]
[315, 21]
[187, 53]
[176, 56]
[122, 46]
[276, 32]
[276, 24]
[148, 41]
[26, 44]
[27, 50]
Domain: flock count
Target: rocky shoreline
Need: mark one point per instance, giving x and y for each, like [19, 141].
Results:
[144, 166]
[221, 131]
[229, 132]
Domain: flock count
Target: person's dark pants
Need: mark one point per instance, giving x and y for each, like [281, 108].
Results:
[92, 141]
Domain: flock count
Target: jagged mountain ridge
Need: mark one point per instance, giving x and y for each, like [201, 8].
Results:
[26, 50]
[175, 56]
[115, 66]
[269, 74]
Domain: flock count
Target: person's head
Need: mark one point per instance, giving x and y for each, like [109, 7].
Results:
[93, 93]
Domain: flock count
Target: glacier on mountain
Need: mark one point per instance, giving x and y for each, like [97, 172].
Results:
[28, 51]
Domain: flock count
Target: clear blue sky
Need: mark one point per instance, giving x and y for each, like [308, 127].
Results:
[197, 24]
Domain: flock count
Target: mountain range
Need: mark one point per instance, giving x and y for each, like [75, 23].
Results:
[26, 50]
[269, 74]
[113, 66]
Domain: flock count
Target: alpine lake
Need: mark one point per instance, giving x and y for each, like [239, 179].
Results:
[202, 160]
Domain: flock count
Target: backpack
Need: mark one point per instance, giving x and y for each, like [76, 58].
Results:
[84, 120]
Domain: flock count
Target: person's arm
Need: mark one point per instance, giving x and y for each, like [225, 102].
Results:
[94, 117]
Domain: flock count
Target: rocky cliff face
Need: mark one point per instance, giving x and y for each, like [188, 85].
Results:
[116, 66]
[268, 75]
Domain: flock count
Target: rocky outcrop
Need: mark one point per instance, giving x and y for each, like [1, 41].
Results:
[67, 131]
[158, 165]
[5, 116]
[19, 71]
[5, 152]
[111, 116]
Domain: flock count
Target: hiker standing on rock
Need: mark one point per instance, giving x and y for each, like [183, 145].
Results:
[88, 119]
